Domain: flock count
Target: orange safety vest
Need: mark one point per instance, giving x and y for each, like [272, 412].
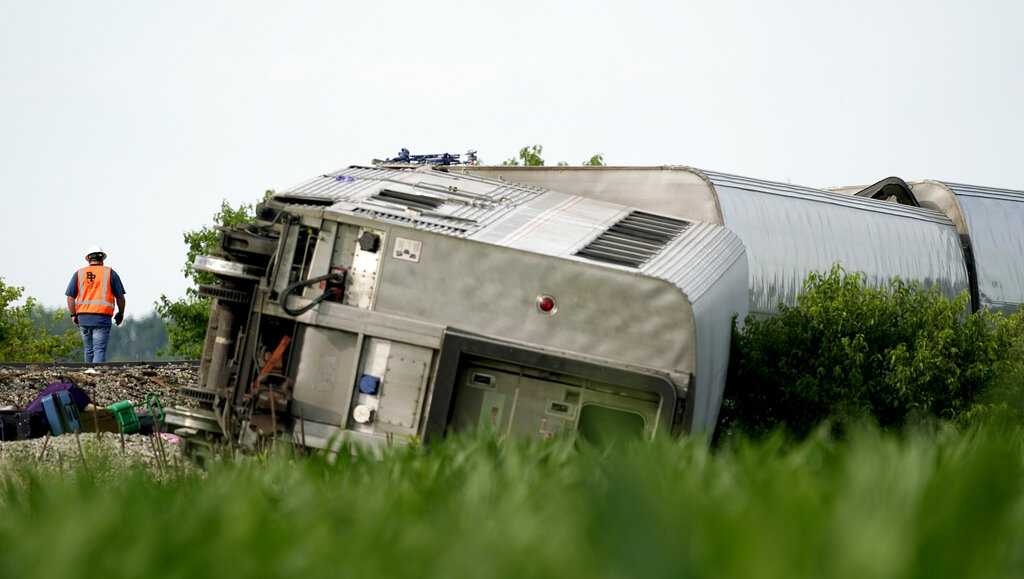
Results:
[95, 293]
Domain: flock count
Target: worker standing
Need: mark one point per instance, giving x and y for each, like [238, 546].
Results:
[92, 294]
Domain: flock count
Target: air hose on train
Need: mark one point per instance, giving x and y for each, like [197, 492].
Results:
[334, 287]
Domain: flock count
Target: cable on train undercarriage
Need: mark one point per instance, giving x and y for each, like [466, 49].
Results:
[334, 288]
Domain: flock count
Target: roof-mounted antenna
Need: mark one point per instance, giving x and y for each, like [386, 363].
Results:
[443, 159]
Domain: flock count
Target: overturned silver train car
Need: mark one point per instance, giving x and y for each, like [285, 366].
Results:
[388, 304]
[990, 222]
[789, 231]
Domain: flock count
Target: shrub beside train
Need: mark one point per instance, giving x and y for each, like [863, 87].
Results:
[406, 302]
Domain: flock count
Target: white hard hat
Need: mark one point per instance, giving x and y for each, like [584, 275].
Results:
[95, 249]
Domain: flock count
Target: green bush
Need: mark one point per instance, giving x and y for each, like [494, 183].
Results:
[848, 351]
[1003, 399]
[22, 339]
[186, 317]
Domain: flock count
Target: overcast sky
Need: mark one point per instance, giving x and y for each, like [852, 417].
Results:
[127, 123]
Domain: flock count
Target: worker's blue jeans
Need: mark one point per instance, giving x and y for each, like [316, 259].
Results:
[94, 339]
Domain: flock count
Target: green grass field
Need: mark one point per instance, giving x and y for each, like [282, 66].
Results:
[925, 504]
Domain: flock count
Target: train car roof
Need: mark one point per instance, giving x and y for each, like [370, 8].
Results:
[689, 254]
[789, 230]
[993, 220]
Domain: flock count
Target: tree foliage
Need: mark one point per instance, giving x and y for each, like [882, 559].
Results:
[531, 157]
[136, 339]
[528, 157]
[848, 351]
[21, 339]
[186, 317]
[186, 320]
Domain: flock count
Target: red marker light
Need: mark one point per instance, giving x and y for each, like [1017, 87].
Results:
[546, 304]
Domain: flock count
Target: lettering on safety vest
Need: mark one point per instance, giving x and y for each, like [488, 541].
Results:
[95, 297]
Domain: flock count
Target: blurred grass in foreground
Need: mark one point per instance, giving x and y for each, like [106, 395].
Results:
[923, 504]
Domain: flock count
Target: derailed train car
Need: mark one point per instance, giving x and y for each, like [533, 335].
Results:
[384, 304]
[789, 231]
[990, 222]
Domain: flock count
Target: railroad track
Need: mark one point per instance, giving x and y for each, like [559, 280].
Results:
[134, 364]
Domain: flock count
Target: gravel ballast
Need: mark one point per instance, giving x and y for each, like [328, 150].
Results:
[104, 384]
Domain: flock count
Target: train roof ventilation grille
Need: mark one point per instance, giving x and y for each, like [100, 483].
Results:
[410, 200]
[634, 239]
[300, 199]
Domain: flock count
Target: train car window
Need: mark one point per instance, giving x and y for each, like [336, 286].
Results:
[602, 426]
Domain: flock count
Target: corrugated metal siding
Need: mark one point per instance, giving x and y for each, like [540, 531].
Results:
[791, 231]
[995, 224]
[697, 259]
[709, 263]
[713, 313]
[811, 195]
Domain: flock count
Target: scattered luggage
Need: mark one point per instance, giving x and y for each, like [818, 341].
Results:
[63, 408]
[61, 412]
[21, 425]
[124, 413]
[77, 395]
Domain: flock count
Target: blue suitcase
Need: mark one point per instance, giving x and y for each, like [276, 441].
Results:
[61, 413]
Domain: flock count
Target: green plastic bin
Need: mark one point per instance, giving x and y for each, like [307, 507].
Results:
[124, 413]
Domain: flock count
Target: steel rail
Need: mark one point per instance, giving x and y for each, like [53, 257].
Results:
[132, 364]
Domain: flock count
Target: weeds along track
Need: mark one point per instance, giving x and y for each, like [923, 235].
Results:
[104, 455]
